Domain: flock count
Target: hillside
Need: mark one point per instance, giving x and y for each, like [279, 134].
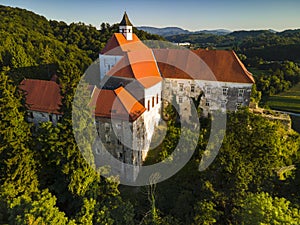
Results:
[265, 44]
[170, 31]
[32, 42]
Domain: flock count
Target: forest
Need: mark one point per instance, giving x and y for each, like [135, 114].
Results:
[44, 179]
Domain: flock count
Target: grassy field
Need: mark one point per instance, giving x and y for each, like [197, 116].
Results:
[286, 101]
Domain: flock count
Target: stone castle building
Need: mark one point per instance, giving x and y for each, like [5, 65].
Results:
[136, 81]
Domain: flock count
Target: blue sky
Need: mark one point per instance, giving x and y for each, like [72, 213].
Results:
[188, 14]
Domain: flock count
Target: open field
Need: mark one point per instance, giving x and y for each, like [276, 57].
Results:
[286, 101]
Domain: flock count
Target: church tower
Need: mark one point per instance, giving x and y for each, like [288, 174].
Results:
[125, 27]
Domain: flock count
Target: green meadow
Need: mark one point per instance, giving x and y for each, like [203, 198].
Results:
[286, 101]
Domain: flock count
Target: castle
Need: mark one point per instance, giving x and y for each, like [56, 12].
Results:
[137, 81]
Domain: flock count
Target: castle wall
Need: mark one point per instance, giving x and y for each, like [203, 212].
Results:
[216, 95]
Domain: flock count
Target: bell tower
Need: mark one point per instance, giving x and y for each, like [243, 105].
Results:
[125, 27]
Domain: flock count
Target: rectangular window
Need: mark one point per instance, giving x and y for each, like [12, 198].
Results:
[107, 127]
[148, 105]
[153, 101]
[208, 90]
[50, 118]
[223, 104]
[120, 155]
[193, 88]
[241, 92]
[119, 140]
[156, 98]
[107, 138]
[207, 103]
[180, 99]
[181, 87]
[225, 91]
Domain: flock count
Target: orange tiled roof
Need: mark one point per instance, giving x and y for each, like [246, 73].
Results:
[215, 65]
[139, 65]
[118, 44]
[117, 104]
[42, 95]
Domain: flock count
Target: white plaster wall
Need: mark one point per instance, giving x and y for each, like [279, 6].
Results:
[126, 31]
[153, 115]
[106, 63]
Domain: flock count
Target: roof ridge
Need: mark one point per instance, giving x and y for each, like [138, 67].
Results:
[246, 72]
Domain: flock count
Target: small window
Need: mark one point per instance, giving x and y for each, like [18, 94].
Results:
[181, 87]
[120, 155]
[193, 88]
[50, 118]
[153, 101]
[208, 90]
[241, 92]
[156, 98]
[107, 127]
[225, 91]
[180, 99]
[238, 105]
[223, 104]
[119, 140]
[107, 138]
[148, 105]
[207, 103]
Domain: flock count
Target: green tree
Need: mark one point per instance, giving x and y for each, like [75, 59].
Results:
[17, 168]
[261, 208]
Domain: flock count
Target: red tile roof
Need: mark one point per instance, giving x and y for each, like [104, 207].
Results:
[116, 104]
[139, 65]
[42, 95]
[118, 45]
[214, 65]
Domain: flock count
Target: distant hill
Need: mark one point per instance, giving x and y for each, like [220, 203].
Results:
[169, 31]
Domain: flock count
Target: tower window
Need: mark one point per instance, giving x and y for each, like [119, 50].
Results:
[148, 105]
[223, 104]
[180, 99]
[152, 101]
[156, 98]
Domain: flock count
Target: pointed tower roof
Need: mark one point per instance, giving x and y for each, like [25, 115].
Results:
[125, 21]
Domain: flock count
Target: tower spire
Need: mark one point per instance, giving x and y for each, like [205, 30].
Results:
[125, 27]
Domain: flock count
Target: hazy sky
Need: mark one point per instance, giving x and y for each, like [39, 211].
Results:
[188, 14]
